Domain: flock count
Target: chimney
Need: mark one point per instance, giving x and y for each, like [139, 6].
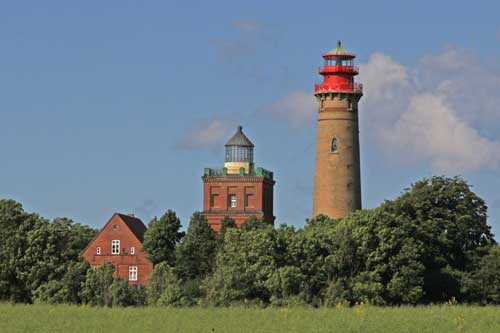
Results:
[131, 214]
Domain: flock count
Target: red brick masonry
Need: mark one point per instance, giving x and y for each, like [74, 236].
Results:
[254, 196]
[129, 231]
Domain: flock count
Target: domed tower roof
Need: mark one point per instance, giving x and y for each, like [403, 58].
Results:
[339, 51]
[239, 139]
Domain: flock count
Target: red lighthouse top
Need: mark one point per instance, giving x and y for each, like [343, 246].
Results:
[338, 72]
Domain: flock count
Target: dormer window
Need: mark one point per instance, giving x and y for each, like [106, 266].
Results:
[115, 246]
[98, 250]
[132, 250]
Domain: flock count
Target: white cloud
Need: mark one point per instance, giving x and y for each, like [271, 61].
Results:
[452, 60]
[383, 77]
[430, 130]
[298, 108]
[431, 112]
[208, 134]
[467, 84]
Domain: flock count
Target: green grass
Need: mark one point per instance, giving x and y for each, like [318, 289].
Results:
[45, 318]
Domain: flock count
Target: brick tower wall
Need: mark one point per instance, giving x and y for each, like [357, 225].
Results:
[337, 183]
[254, 198]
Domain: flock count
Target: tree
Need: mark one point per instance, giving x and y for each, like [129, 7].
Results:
[285, 284]
[138, 295]
[430, 244]
[253, 222]
[388, 259]
[196, 252]
[310, 250]
[483, 285]
[448, 224]
[243, 267]
[226, 223]
[12, 247]
[416, 248]
[124, 295]
[161, 238]
[66, 290]
[164, 287]
[96, 290]
[120, 293]
[35, 251]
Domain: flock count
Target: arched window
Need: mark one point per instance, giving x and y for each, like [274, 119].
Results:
[334, 145]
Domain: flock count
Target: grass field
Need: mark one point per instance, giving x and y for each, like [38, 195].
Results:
[44, 318]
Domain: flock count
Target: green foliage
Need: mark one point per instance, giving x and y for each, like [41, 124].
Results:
[431, 244]
[120, 293]
[285, 282]
[338, 292]
[96, 290]
[100, 288]
[195, 254]
[172, 295]
[226, 223]
[161, 238]
[34, 251]
[165, 289]
[447, 224]
[253, 222]
[125, 295]
[163, 275]
[243, 266]
[65, 290]
[138, 295]
[483, 285]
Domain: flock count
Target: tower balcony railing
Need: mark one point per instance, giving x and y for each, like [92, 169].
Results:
[338, 69]
[342, 87]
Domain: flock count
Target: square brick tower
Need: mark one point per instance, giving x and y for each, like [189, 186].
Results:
[238, 190]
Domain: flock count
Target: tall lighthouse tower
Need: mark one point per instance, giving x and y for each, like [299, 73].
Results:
[337, 184]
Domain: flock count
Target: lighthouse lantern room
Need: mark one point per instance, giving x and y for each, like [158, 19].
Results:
[338, 71]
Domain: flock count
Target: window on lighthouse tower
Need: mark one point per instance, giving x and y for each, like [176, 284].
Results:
[334, 145]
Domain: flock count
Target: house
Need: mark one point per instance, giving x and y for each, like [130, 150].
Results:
[120, 242]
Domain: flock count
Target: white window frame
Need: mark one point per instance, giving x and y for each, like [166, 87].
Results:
[233, 204]
[115, 246]
[132, 250]
[133, 273]
[98, 250]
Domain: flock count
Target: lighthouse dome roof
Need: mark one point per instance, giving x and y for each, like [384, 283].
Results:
[339, 51]
[239, 139]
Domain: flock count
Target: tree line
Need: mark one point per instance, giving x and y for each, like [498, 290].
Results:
[432, 244]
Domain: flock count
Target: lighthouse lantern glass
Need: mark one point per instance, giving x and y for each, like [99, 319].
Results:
[239, 154]
[338, 62]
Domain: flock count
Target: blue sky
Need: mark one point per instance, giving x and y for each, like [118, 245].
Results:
[119, 105]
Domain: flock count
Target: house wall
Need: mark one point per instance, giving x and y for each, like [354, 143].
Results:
[116, 229]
